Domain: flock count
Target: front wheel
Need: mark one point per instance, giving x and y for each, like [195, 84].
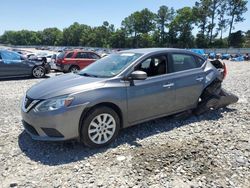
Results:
[38, 72]
[100, 127]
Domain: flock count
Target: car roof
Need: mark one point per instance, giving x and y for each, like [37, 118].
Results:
[79, 51]
[3, 50]
[158, 50]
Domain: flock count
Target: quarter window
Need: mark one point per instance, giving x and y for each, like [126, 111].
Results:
[200, 61]
[183, 62]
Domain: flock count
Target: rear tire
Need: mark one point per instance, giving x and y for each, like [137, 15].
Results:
[99, 127]
[74, 69]
[38, 72]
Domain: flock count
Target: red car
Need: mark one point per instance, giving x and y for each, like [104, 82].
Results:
[73, 61]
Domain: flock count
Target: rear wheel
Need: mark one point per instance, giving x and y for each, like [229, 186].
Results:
[74, 69]
[38, 72]
[100, 127]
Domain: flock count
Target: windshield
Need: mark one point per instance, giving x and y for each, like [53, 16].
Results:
[110, 66]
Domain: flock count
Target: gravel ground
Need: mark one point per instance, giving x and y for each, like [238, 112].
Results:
[211, 150]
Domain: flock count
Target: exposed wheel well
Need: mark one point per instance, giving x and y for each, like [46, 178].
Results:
[107, 104]
[44, 60]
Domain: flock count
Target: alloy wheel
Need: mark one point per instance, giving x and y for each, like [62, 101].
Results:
[38, 72]
[102, 128]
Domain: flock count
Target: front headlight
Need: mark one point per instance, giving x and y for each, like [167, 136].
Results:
[54, 103]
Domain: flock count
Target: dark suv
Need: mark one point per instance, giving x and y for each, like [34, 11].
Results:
[73, 61]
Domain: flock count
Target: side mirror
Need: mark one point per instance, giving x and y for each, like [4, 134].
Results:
[138, 75]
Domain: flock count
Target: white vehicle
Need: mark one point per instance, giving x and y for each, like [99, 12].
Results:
[52, 61]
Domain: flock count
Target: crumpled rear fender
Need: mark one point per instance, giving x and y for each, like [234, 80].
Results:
[211, 73]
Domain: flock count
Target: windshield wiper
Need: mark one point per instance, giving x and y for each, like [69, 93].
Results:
[88, 75]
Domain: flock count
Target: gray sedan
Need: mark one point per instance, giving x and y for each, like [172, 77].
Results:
[119, 91]
[13, 64]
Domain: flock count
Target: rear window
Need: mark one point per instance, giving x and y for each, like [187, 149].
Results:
[93, 56]
[182, 62]
[61, 55]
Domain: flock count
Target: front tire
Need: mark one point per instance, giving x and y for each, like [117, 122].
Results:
[38, 72]
[100, 127]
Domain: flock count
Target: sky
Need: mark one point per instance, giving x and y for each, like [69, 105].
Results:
[37, 15]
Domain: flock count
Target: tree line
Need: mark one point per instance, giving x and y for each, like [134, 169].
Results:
[165, 28]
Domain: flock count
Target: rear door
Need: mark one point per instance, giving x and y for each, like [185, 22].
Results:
[82, 59]
[189, 79]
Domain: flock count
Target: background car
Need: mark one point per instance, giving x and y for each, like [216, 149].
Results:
[52, 61]
[13, 64]
[73, 61]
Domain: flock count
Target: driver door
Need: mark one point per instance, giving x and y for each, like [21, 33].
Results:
[154, 96]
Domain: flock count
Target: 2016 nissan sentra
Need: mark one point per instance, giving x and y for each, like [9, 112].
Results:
[121, 90]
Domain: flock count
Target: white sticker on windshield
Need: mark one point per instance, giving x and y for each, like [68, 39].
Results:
[127, 54]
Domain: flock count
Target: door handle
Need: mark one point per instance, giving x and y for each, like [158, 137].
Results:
[200, 79]
[168, 85]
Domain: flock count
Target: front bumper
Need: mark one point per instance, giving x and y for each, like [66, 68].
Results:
[58, 125]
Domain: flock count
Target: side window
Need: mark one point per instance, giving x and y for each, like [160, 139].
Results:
[153, 66]
[93, 56]
[200, 61]
[82, 55]
[183, 62]
[69, 55]
[10, 57]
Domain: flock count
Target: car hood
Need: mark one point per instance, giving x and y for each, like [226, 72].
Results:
[63, 85]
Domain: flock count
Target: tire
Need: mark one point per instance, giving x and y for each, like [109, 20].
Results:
[99, 127]
[38, 72]
[74, 69]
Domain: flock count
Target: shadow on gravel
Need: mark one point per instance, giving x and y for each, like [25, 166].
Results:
[57, 153]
